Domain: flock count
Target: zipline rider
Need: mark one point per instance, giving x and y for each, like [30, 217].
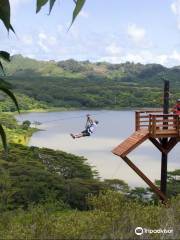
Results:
[89, 128]
[176, 108]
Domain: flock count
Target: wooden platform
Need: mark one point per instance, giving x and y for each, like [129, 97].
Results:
[151, 125]
[158, 124]
[166, 133]
[131, 143]
[163, 130]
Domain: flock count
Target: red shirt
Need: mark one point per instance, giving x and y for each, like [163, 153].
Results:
[176, 109]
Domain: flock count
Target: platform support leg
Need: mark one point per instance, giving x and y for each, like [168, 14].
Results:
[164, 173]
[164, 141]
[147, 180]
[164, 159]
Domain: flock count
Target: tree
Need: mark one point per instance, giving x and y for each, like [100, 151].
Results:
[141, 194]
[26, 124]
[35, 175]
[173, 183]
[117, 185]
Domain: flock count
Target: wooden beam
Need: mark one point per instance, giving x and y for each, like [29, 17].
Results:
[143, 176]
[171, 144]
[166, 148]
[158, 145]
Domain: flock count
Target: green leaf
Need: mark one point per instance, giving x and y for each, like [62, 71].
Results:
[3, 83]
[2, 68]
[40, 4]
[12, 29]
[5, 56]
[11, 95]
[77, 9]
[51, 4]
[3, 138]
[5, 13]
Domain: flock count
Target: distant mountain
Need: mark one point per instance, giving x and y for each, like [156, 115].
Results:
[82, 84]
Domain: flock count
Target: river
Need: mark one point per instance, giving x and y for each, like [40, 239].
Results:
[114, 126]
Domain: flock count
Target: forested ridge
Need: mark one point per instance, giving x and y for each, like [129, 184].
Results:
[72, 84]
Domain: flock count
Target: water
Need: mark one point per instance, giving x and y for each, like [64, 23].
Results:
[114, 126]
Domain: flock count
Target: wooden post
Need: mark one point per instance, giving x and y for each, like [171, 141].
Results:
[147, 180]
[164, 141]
[137, 120]
[153, 125]
[150, 123]
[178, 125]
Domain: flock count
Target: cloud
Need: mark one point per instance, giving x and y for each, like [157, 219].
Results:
[45, 44]
[43, 47]
[60, 28]
[128, 57]
[16, 3]
[46, 41]
[175, 8]
[162, 59]
[175, 56]
[84, 14]
[74, 33]
[168, 59]
[137, 34]
[52, 41]
[113, 49]
[42, 39]
[147, 57]
[42, 36]
[135, 57]
[27, 39]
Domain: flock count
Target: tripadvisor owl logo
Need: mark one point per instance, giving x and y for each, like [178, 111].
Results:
[140, 231]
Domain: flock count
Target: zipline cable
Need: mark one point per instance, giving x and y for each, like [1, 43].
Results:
[67, 118]
[116, 170]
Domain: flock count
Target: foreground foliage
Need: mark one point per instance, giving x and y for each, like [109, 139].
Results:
[47, 194]
[16, 133]
[31, 175]
[112, 217]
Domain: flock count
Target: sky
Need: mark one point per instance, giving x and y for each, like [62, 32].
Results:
[114, 31]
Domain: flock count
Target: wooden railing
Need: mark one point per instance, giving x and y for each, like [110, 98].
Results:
[157, 123]
[165, 124]
[142, 118]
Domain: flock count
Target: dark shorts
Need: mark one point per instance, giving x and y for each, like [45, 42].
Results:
[85, 133]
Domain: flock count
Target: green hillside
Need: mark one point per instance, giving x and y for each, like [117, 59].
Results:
[73, 84]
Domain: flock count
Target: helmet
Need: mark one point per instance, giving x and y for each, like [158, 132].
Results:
[178, 100]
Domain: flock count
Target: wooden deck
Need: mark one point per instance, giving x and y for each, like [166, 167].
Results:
[151, 125]
[158, 124]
